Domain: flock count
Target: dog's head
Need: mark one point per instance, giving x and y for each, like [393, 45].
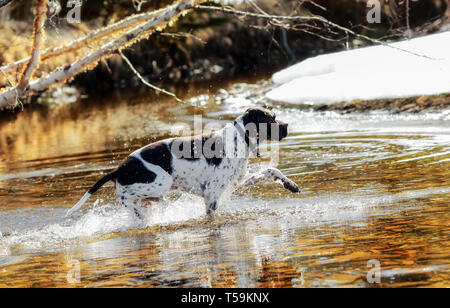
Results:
[262, 124]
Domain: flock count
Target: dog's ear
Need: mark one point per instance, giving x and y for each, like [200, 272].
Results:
[258, 115]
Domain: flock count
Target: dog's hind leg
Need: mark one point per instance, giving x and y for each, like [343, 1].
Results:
[211, 201]
[132, 205]
[271, 174]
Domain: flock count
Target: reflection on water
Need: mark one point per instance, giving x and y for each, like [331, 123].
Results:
[375, 187]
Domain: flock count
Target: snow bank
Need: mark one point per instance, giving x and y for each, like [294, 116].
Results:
[369, 73]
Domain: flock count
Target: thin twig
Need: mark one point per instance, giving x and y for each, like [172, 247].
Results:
[138, 4]
[183, 35]
[142, 79]
[318, 6]
[278, 18]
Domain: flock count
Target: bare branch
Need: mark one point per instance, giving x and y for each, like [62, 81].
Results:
[142, 79]
[183, 35]
[90, 38]
[38, 26]
[138, 4]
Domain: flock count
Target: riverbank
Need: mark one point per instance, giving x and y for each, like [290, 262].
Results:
[412, 104]
[255, 93]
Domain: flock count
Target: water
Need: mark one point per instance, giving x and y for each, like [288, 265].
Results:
[375, 188]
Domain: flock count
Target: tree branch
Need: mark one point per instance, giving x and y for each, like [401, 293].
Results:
[90, 38]
[142, 79]
[38, 26]
[4, 2]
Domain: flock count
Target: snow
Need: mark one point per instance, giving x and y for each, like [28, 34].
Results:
[376, 72]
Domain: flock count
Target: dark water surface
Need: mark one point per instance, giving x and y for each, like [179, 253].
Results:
[376, 190]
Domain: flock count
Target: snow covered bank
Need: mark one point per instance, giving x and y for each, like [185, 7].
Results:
[377, 72]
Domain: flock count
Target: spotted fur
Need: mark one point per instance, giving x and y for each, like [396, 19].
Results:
[206, 165]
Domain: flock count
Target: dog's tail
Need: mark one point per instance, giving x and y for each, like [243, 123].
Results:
[109, 177]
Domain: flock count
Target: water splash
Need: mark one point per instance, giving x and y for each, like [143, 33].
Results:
[95, 222]
[103, 221]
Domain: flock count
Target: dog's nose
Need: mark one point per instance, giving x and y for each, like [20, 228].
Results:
[283, 130]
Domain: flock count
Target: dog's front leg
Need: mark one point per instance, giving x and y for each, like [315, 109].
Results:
[271, 174]
[211, 207]
[211, 198]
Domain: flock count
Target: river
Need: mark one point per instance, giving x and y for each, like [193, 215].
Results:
[373, 212]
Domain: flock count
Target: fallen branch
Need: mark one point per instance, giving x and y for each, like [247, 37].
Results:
[90, 38]
[7, 97]
[38, 28]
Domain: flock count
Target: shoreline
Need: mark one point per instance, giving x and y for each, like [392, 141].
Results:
[256, 93]
[395, 105]
[250, 90]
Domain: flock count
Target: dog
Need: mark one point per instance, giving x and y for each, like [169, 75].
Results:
[206, 165]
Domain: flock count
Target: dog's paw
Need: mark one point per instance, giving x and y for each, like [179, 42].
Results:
[291, 186]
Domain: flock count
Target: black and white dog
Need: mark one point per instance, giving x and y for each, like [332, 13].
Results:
[205, 165]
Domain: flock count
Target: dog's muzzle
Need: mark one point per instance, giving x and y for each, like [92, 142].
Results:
[283, 130]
